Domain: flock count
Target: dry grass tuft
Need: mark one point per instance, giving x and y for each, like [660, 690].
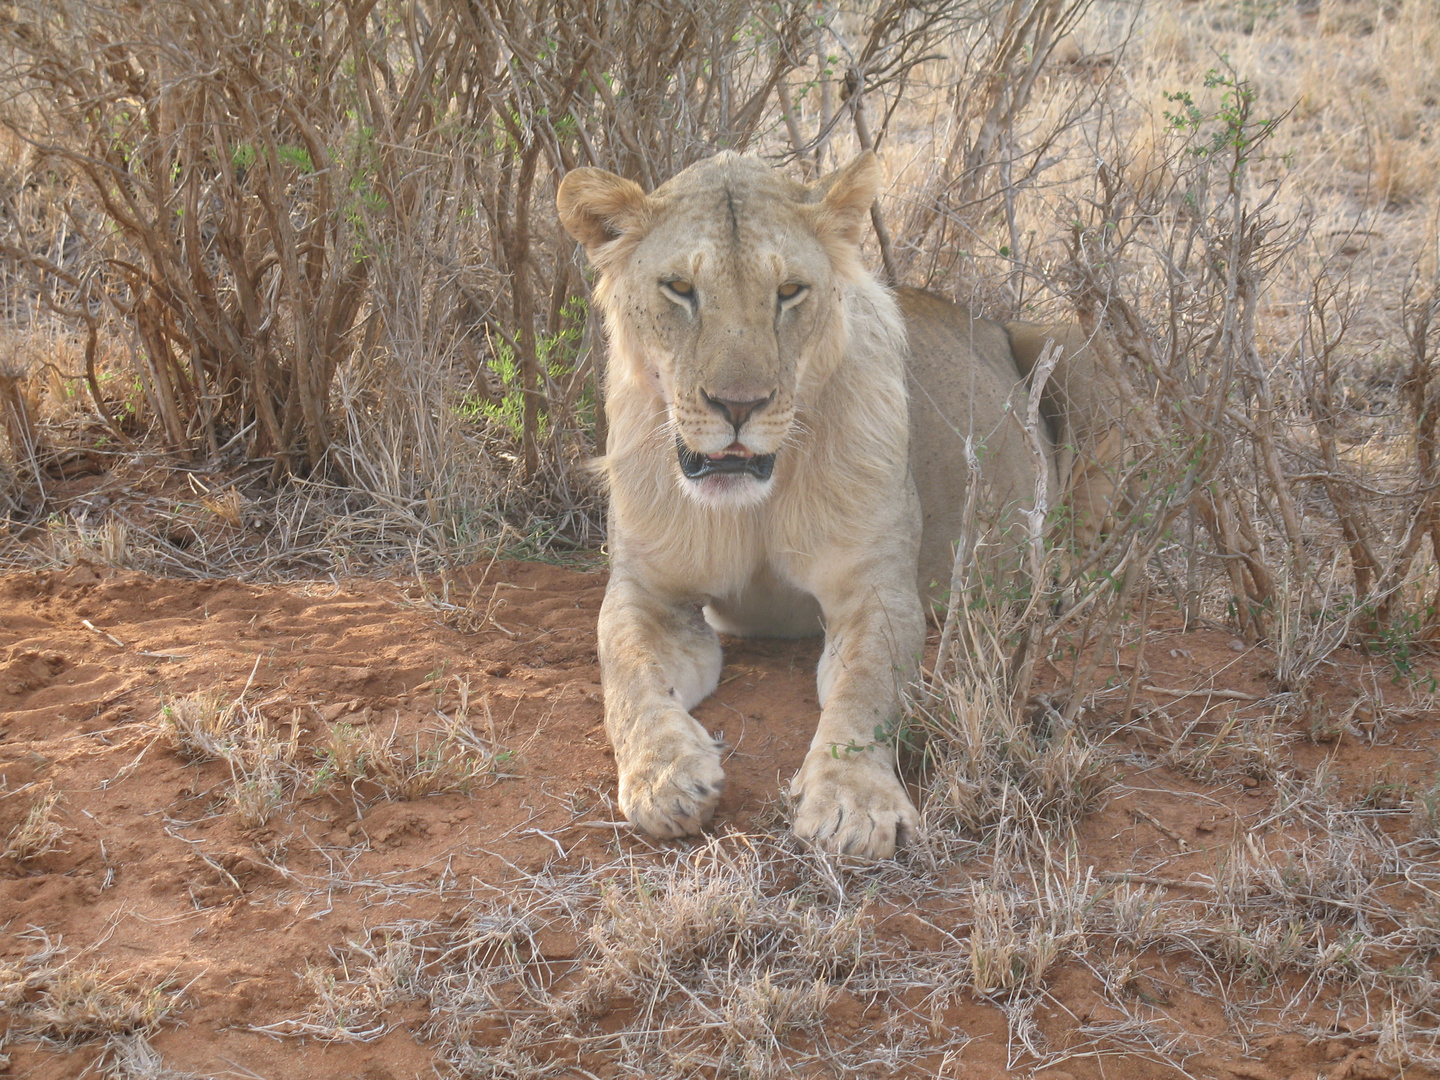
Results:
[131, 1057]
[59, 1004]
[201, 726]
[1425, 813]
[263, 766]
[74, 1007]
[38, 834]
[266, 769]
[1015, 939]
[666, 924]
[370, 760]
[996, 773]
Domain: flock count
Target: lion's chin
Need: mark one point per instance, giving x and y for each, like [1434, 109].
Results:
[727, 490]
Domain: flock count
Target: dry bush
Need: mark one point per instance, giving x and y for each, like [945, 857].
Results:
[1174, 261]
[325, 235]
[990, 145]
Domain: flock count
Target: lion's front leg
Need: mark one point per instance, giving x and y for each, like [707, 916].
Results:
[659, 659]
[849, 798]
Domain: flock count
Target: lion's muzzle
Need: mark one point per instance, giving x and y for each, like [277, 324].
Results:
[736, 411]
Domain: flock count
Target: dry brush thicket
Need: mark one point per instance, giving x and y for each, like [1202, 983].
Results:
[320, 238]
[313, 248]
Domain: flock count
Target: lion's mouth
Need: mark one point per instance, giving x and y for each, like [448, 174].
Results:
[733, 459]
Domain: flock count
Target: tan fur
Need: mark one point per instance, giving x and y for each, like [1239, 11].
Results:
[870, 441]
[1083, 407]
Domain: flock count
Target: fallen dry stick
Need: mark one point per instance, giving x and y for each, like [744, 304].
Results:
[1231, 695]
[1151, 819]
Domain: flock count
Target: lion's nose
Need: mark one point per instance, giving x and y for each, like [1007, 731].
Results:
[737, 412]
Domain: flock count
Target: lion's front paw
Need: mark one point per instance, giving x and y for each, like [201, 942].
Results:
[671, 786]
[851, 806]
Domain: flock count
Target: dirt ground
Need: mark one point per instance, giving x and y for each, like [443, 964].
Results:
[155, 883]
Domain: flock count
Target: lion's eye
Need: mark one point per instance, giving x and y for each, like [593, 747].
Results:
[791, 290]
[680, 287]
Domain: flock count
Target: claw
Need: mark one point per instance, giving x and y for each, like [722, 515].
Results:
[674, 794]
[832, 793]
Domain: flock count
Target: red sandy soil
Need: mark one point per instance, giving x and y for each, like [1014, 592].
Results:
[89, 654]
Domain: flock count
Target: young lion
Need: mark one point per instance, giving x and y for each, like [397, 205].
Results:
[787, 456]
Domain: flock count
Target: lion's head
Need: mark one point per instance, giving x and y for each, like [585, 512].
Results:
[721, 292]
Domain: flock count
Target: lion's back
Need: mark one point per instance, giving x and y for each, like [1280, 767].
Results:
[962, 379]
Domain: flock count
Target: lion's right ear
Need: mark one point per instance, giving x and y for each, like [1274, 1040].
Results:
[845, 198]
[597, 207]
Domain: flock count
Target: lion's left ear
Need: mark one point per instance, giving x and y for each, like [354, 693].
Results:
[847, 197]
[597, 207]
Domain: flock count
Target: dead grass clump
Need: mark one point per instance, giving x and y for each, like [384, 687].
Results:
[1261, 949]
[14, 983]
[78, 1006]
[367, 976]
[267, 769]
[1425, 813]
[258, 788]
[1322, 906]
[1332, 877]
[264, 768]
[1236, 748]
[370, 760]
[761, 1013]
[201, 726]
[1016, 939]
[55, 1002]
[38, 834]
[667, 925]
[993, 772]
[131, 1057]
[1135, 914]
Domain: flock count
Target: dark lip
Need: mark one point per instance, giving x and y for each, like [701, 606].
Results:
[696, 466]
